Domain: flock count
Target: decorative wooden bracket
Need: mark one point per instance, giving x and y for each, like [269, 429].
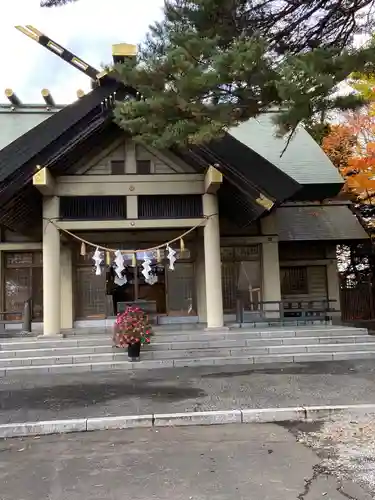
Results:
[212, 180]
[44, 181]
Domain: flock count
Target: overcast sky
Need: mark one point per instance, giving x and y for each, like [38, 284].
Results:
[88, 28]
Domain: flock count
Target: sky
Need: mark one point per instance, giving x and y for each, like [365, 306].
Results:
[87, 28]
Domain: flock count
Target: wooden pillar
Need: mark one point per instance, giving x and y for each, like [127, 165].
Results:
[51, 268]
[212, 262]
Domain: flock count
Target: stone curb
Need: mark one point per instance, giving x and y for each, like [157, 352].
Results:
[256, 415]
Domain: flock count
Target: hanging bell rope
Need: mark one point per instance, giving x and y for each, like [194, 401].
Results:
[83, 249]
[182, 245]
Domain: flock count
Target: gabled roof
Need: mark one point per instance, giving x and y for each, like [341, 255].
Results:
[39, 139]
[303, 160]
[251, 172]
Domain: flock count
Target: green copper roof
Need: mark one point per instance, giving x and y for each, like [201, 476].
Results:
[303, 160]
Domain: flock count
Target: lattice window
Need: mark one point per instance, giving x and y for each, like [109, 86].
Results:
[93, 207]
[229, 286]
[294, 280]
[23, 280]
[169, 206]
[181, 289]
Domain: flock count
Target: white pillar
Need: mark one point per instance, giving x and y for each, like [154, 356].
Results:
[271, 276]
[66, 299]
[212, 259]
[51, 268]
[271, 289]
[132, 207]
[200, 281]
[130, 157]
[333, 285]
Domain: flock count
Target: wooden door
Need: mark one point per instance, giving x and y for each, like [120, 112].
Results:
[229, 286]
[90, 294]
[181, 296]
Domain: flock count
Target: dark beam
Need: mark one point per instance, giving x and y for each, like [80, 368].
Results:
[48, 99]
[12, 97]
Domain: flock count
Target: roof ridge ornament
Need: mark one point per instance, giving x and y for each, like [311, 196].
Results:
[12, 97]
[60, 51]
[120, 52]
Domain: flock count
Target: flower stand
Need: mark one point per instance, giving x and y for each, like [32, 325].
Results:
[134, 351]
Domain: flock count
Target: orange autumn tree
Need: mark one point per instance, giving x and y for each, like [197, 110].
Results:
[351, 148]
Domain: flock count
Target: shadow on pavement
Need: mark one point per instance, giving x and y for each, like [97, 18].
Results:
[315, 368]
[84, 395]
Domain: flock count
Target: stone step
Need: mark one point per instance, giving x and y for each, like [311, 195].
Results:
[24, 343]
[175, 328]
[120, 355]
[264, 334]
[169, 363]
[181, 346]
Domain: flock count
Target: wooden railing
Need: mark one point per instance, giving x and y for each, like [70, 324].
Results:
[285, 311]
[23, 317]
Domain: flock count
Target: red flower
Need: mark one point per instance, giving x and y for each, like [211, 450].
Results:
[132, 326]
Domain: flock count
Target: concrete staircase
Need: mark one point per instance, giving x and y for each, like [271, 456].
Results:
[185, 349]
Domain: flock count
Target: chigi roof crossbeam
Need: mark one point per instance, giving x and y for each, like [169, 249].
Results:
[60, 51]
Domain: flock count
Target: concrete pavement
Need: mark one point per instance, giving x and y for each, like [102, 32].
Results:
[346, 445]
[196, 463]
[48, 397]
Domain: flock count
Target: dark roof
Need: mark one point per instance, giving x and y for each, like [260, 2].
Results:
[63, 138]
[247, 176]
[311, 223]
[252, 171]
[41, 138]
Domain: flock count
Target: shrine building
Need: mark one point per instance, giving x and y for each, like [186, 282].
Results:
[261, 227]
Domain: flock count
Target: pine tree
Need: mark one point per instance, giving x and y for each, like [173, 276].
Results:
[55, 3]
[364, 83]
[211, 64]
[205, 68]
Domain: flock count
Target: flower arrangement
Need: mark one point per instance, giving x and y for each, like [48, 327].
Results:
[132, 327]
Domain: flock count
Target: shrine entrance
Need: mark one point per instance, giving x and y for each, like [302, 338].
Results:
[136, 288]
[167, 293]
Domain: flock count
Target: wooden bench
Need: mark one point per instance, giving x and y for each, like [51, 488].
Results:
[4, 322]
[287, 312]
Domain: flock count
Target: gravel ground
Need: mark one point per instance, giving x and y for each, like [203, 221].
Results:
[346, 445]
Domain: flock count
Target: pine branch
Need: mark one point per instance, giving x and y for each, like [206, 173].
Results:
[55, 3]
